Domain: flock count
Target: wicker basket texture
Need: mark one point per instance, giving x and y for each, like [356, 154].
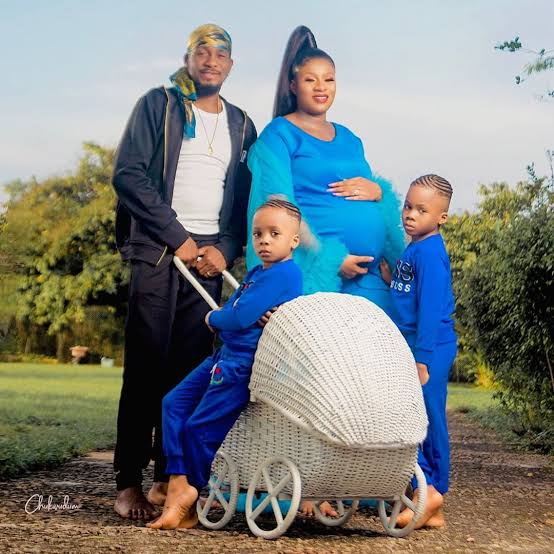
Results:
[337, 393]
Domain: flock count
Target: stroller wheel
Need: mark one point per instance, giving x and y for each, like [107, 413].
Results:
[223, 494]
[274, 475]
[345, 513]
[400, 502]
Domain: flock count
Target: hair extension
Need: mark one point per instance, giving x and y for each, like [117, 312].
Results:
[300, 48]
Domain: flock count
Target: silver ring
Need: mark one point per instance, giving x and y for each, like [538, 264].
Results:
[356, 192]
[209, 274]
[198, 258]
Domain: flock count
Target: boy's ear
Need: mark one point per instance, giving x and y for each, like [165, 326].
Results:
[295, 241]
[443, 218]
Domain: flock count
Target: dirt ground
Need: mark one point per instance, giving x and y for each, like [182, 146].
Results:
[500, 501]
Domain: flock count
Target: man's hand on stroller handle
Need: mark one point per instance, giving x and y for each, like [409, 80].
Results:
[210, 261]
[188, 253]
[207, 260]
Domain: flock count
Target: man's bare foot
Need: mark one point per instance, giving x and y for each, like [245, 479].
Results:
[307, 509]
[180, 506]
[157, 493]
[434, 503]
[131, 503]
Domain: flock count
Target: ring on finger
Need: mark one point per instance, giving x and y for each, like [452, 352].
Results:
[356, 192]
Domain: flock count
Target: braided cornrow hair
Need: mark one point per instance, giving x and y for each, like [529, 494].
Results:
[282, 204]
[436, 182]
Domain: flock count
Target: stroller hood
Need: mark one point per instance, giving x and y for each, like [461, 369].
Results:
[336, 365]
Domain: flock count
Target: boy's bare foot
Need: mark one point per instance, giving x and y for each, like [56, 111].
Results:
[434, 503]
[307, 509]
[436, 520]
[173, 519]
[180, 506]
[131, 503]
[156, 495]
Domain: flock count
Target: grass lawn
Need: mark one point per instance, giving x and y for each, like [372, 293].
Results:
[50, 413]
[468, 398]
[481, 407]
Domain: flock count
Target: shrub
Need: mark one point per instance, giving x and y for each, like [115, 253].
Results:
[504, 284]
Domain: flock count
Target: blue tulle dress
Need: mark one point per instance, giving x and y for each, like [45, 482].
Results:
[287, 161]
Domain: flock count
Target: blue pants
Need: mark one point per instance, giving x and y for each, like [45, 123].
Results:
[434, 453]
[199, 412]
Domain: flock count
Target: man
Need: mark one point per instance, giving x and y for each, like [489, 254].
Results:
[181, 178]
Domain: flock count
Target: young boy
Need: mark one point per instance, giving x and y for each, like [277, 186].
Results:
[200, 411]
[422, 308]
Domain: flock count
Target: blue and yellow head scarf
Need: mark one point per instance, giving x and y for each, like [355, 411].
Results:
[205, 35]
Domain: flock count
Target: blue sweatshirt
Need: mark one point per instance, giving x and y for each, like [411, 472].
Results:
[422, 299]
[261, 290]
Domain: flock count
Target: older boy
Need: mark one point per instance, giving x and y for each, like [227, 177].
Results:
[422, 308]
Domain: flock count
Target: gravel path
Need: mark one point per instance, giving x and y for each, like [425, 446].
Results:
[500, 501]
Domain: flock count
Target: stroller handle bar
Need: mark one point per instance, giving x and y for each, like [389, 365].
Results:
[201, 290]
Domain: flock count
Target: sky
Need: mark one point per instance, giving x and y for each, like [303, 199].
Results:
[419, 81]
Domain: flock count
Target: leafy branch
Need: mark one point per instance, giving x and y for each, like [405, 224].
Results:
[544, 60]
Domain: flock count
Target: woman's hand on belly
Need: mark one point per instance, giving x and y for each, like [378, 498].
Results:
[351, 267]
[357, 188]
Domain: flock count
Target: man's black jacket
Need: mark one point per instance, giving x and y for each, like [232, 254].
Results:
[144, 174]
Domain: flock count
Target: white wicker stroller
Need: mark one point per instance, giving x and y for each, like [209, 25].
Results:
[337, 414]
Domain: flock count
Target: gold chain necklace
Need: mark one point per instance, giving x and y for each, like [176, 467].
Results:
[210, 142]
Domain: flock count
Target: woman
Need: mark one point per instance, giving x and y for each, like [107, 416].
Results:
[352, 215]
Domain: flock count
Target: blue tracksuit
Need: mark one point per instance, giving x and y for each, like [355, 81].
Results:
[200, 411]
[422, 308]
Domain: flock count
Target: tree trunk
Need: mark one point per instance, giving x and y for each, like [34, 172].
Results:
[60, 346]
[28, 344]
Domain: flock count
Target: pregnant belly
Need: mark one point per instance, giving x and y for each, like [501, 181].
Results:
[360, 225]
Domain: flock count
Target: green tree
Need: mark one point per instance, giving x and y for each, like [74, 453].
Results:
[503, 266]
[59, 234]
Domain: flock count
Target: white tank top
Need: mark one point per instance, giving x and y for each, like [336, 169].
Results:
[200, 176]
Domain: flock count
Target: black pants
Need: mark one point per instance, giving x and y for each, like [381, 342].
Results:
[165, 339]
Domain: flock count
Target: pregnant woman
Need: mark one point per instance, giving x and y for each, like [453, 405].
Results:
[352, 215]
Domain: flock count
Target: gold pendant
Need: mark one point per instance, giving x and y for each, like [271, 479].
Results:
[210, 150]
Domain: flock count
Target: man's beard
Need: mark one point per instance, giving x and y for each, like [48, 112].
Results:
[206, 90]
